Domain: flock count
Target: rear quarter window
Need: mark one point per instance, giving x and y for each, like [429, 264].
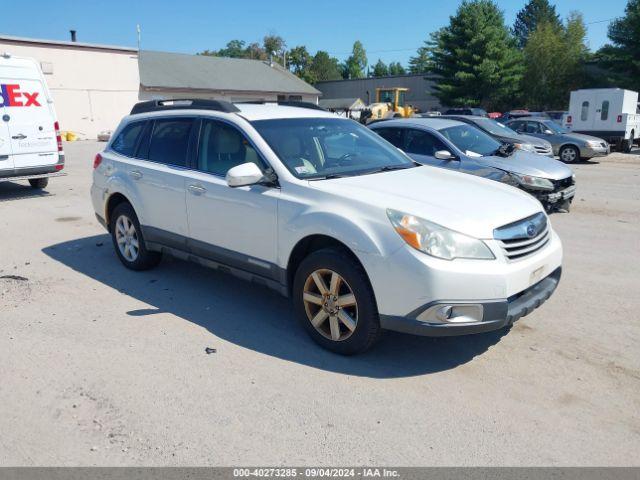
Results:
[126, 141]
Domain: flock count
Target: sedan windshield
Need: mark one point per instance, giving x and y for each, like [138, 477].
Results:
[320, 148]
[495, 128]
[554, 127]
[471, 140]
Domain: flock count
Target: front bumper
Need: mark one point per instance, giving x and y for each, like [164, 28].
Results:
[590, 152]
[495, 314]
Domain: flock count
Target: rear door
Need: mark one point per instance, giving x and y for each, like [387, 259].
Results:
[6, 159]
[30, 123]
[604, 111]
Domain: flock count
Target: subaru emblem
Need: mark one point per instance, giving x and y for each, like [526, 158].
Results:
[531, 230]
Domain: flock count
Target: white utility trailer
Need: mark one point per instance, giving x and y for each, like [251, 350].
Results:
[609, 113]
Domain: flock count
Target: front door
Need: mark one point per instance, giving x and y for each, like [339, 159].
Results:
[234, 226]
[422, 146]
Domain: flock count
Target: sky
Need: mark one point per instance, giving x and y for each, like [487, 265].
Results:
[391, 31]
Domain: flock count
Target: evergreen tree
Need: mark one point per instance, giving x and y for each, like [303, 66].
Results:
[476, 60]
[533, 13]
[622, 59]
[395, 68]
[423, 61]
[380, 69]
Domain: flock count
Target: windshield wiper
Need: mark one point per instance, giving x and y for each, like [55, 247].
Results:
[327, 177]
[390, 168]
[505, 150]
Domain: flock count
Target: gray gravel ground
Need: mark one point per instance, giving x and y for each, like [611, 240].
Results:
[104, 366]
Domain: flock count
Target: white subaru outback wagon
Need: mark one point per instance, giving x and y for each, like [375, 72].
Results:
[325, 211]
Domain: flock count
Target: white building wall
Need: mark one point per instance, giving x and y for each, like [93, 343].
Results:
[92, 89]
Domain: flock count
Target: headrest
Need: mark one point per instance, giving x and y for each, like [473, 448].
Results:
[228, 141]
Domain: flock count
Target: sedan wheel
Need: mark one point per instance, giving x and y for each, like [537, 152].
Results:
[330, 305]
[127, 238]
[569, 154]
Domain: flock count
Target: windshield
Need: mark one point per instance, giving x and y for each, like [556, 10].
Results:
[329, 147]
[554, 127]
[495, 128]
[471, 140]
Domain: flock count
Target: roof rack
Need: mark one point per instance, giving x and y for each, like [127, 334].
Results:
[184, 104]
[285, 103]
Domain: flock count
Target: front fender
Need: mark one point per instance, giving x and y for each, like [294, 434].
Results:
[365, 236]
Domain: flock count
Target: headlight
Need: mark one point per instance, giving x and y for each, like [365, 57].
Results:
[436, 240]
[527, 147]
[593, 143]
[533, 182]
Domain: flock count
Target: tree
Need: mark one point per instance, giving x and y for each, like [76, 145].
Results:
[380, 69]
[273, 44]
[622, 59]
[356, 63]
[325, 67]
[533, 13]
[255, 52]
[476, 61]
[423, 61]
[395, 68]
[300, 61]
[234, 49]
[554, 63]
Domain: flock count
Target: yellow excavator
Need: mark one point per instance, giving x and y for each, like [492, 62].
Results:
[390, 103]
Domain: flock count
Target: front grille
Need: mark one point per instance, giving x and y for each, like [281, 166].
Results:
[562, 183]
[542, 149]
[523, 238]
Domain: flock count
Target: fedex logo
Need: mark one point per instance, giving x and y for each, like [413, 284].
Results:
[11, 96]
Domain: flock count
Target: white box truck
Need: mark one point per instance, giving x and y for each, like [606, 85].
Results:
[608, 113]
[30, 141]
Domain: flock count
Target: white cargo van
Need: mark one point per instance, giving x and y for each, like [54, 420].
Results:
[608, 113]
[30, 143]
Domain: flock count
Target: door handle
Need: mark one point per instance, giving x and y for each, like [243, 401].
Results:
[197, 189]
[135, 174]
[19, 137]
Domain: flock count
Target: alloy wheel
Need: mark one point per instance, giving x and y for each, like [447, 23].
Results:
[330, 305]
[127, 238]
[569, 155]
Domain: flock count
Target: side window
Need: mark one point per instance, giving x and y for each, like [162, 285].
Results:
[223, 147]
[423, 143]
[170, 141]
[125, 142]
[604, 112]
[533, 127]
[517, 126]
[391, 135]
[584, 114]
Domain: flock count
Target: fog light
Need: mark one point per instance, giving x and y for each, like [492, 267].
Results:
[453, 313]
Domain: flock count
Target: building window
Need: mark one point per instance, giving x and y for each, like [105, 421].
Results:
[585, 111]
[282, 98]
[604, 111]
[295, 98]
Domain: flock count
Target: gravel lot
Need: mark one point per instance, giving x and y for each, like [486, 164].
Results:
[104, 366]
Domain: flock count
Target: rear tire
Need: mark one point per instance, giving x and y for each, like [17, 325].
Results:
[346, 315]
[39, 183]
[569, 154]
[128, 241]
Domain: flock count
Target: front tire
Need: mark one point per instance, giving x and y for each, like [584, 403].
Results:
[128, 241]
[569, 154]
[39, 183]
[335, 302]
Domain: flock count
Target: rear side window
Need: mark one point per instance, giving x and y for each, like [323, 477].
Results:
[604, 112]
[423, 143]
[126, 141]
[391, 135]
[170, 141]
[584, 113]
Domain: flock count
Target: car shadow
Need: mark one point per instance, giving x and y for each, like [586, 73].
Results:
[16, 191]
[255, 317]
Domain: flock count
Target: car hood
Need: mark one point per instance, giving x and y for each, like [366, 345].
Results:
[526, 163]
[525, 139]
[458, 201]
